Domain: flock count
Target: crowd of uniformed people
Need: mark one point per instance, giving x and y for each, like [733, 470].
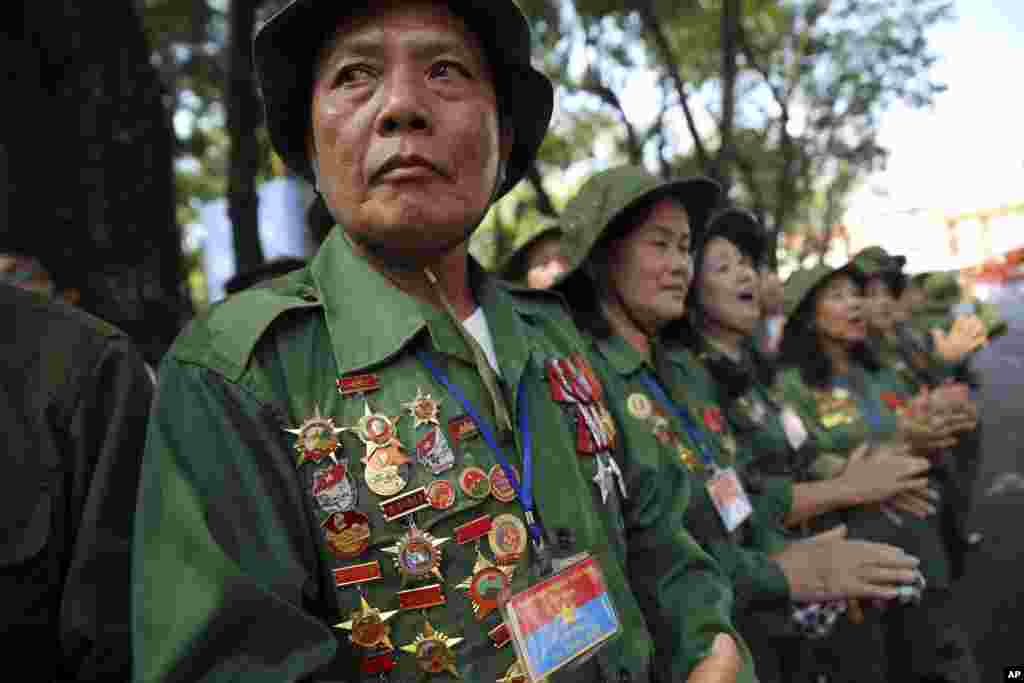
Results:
[632, 455]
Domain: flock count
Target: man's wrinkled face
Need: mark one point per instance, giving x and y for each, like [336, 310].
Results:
[839, 311]
[544, 262]
[649, 269]
[729, 288]
[879, 305]
[405, 132]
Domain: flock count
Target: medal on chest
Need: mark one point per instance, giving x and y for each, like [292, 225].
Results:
[487, 584]
[423, 409]
[417, 555]
[508, 538]
[515, 674]
[433, 650]
[380, 434]
[347, 534]
[369, 627]
[317, 438]
[434, 453]
[333, 489]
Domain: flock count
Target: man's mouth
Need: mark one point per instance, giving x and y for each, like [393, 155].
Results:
[406, 166]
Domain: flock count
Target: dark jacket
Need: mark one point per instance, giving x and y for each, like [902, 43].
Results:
[74, 400]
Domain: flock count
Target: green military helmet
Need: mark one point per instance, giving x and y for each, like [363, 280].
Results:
[942, 288]
[611, 194]
[995, 325]
[286, 47]
[877, 262]
[802, 284]
[513, 265]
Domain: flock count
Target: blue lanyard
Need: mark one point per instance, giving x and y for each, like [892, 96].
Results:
[524, 488]
[695, 433]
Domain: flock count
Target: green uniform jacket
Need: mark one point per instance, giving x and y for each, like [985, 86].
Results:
[837, 418]
[658, 481]
[758, 582]
[232, 576]
[74, 399]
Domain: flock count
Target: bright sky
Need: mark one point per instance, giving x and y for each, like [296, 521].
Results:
[967, 152]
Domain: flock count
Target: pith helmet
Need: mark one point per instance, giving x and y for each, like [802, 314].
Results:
[285, 50]
[801, 286]
[607, 195]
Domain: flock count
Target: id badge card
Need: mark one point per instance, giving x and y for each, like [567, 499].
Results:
[796, 433]
[562, 619]
[729, 498]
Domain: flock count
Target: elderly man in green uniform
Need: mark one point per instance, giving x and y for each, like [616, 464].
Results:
[386, 464]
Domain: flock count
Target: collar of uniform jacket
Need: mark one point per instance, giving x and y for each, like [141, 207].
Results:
[370, 320]
[623, 358]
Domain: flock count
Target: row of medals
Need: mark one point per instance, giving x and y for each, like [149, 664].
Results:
[417, 554]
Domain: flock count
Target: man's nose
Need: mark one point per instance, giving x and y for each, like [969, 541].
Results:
[404, 109]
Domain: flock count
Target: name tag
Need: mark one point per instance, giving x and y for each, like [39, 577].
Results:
[796, 433]
[729, 498]
[562, 619]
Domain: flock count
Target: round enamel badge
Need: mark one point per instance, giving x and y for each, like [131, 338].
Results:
[507, 538]
[639, 406]
[441, 494]
[486, 589]
[347, 534]
[384, 481]
[501, 487]
[475, 483]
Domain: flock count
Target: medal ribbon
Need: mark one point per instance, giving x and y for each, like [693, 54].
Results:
[524, 488]
[695, 433]
[868, 407]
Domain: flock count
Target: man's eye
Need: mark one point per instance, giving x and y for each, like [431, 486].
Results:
[350, 75]
[447, 69]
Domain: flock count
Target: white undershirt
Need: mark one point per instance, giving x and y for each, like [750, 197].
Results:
[476, 325]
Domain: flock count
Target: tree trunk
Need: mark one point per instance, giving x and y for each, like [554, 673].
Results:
[90, 169]
[243, 118]
[730, 44]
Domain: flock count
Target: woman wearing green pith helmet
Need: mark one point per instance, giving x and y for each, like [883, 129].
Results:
[723, 308]
[833, 379]
[627, 238]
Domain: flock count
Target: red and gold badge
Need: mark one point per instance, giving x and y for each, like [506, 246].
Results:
[369, 626]
[380, 435]
[713, 419]
[347, 534]
[487, 586]
[357, 384]
[417, 555]
[317, 438]
[423, 408]
[441, 494]
[501, 487]
[475, 483]
[433, 651]
[385, 481]
[507, 538]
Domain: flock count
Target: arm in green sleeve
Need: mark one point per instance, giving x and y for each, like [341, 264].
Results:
[225, 568]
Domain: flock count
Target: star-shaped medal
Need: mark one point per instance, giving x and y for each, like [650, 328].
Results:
[486, 584]
[417, 555]
[423, 409]
[317, 438]
[433, 650]
[379, 433]
[607, 472]
[369, 626]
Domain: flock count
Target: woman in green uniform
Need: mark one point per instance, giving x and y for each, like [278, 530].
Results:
[724, 310]
[627, 241]
[833, 380]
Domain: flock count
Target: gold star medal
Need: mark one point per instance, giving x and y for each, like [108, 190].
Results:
[690, 459]
[433, 650]
[424, 409]
[379, 433]
[317, 438]
[369, 626]
[417, 555]
[487, 584]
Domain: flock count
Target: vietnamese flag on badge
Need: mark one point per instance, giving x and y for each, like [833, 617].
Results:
[562, 618]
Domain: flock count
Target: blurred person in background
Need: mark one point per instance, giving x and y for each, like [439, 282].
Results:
[74, 401]
[536, 259]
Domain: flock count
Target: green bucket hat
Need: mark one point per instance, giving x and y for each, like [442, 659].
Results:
[514, 260]
[285, 50]
[877, 262]
[608, 195]
[802, 284]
